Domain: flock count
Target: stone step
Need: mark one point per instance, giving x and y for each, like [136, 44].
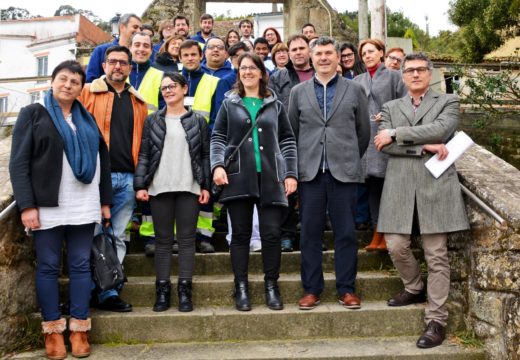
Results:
[216, 290]
[224, 323]
[220, 263]
[380, 348]
[221, 245]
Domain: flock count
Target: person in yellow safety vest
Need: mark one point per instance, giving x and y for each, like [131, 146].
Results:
[201, 98]
[143, 77]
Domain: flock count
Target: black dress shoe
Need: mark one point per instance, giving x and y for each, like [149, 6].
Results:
[184, 293]
[273, 299]
[114, 303]
[433, 336]
[242, 302]
[406, 298]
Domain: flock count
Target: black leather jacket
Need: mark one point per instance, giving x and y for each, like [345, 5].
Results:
[277, 146]
[152, 143]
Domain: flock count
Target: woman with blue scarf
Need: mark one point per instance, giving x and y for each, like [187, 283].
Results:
[60, 172]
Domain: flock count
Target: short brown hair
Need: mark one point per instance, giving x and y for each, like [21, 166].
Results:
[391, 50]
[297, 37]
[277, 48]
[162, 26]
[188, 44]
[376, 42]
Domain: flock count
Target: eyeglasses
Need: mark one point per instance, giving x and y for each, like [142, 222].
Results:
[218, 47]
[169, 87]
[394, 59]
[114, 62]
[420, 70]
[244, 68]
[347, 56]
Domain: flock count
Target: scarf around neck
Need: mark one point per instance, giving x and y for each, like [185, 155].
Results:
[81, 146]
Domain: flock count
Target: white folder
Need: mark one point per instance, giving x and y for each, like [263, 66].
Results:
[456, 147]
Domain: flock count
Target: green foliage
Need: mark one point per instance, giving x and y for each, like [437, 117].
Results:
[468, 338]
[446, 45]
[350, 18]
[15, 13]
[485, 24]
[65, 10]
[410, 34]
[490, 92]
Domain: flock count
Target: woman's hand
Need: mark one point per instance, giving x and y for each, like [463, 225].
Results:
[204, 197]
[220, 176]
[142, 195]
[31, 218]
[290, 185]
[105, 211]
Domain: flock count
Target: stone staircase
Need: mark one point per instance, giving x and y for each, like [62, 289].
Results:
[215, 330]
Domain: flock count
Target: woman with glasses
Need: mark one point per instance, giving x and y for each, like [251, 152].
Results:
[173, 174]
[280, 55]
[350, 62]
[167, 59]
[253, 157]
[272, 36]
[381, 85]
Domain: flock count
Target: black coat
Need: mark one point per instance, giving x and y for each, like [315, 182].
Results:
[152, 144]
[37, 157]
[277, 151]
[164, 62]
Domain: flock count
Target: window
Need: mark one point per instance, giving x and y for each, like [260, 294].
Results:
[3, 104]
[42, 64]
[35, 97]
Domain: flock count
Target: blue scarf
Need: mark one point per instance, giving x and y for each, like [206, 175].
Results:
[81, 146]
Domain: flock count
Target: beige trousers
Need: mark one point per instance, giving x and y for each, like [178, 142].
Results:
[436, 255]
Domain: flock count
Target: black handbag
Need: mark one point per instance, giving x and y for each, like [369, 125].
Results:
[216, 190]
[107, 271]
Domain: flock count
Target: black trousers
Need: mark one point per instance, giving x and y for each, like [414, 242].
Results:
[179, 210]
[375, 190]
[290, 218]
[270, 217]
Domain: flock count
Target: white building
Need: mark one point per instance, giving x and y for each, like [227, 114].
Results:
[266, 20]
[31, 49]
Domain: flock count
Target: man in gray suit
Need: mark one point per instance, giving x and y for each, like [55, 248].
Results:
[413, 129]
[329, 116]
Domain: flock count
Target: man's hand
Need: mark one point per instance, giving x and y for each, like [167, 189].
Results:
[220, 176]
[142, 195]
[440, 149]
[290, 185]
[31, 218]
[382, 139]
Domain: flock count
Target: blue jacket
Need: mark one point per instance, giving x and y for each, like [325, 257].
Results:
[221, 72]
[193, 78]
[94, 67]
[224, 85]
[137, 75]
[198, 37]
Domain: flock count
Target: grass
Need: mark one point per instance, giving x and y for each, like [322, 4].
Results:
[467, 338]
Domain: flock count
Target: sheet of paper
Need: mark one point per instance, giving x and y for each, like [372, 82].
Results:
[189, 100]
[456, 147]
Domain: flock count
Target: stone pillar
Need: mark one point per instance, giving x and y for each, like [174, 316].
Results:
[378, 20]
[363, 19]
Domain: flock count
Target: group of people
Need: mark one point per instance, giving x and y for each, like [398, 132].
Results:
[337, 131]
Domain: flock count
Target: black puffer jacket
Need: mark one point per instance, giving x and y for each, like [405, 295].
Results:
[152, 144]
[277, 146]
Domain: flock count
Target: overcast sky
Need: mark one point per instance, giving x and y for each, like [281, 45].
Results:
[415, 10]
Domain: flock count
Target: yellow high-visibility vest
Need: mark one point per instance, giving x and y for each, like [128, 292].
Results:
[202, 99]
[150, 87]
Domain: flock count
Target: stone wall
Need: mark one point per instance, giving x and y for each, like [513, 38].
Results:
[17, 295]
[486, 260]
[296, 14]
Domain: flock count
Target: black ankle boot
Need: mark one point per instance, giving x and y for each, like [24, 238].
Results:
[242, 296]
[163, 289]
[184, 292]
[273, 299]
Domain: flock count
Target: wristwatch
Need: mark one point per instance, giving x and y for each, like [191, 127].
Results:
[392, 133]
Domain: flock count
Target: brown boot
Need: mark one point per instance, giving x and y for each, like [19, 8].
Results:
[54, 343]
[376, 241]
[79, 338]
[382, 245]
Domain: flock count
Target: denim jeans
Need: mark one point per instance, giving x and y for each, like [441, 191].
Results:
[121, 213]
[48, 243]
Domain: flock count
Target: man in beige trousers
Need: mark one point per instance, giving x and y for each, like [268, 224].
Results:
[413, 129]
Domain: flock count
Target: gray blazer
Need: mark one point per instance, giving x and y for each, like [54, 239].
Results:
[440, 207]
[386, 85]
[345, 134]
